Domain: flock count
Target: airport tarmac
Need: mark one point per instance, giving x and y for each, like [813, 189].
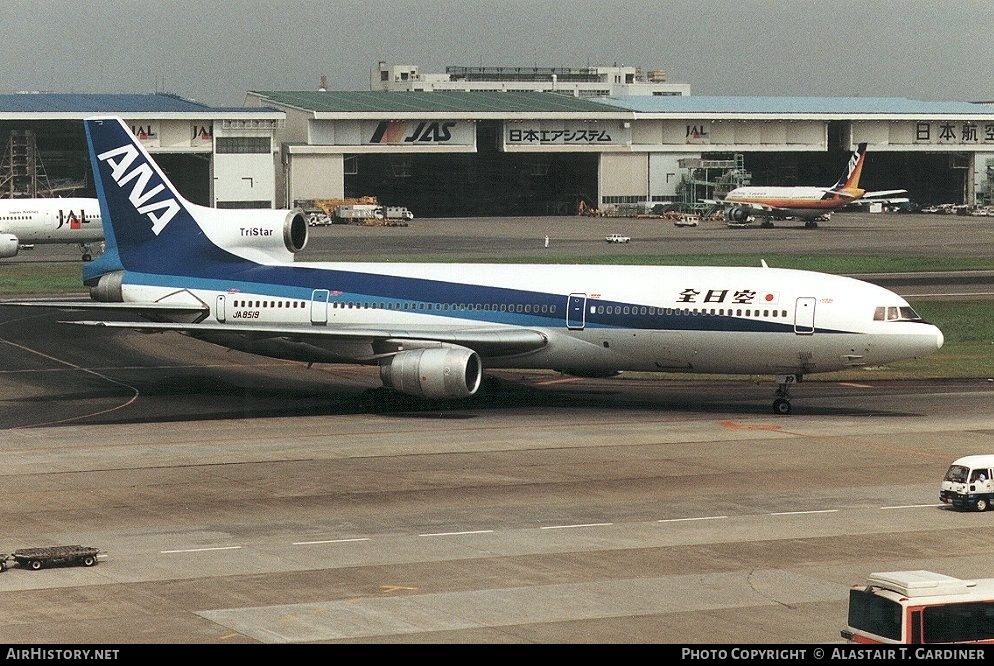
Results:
[238, 499]
[573, 237]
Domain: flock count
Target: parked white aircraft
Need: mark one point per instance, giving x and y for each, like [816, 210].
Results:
[743, 204]
[41, 221]
[228, 277]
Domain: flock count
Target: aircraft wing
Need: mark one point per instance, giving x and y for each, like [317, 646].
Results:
[488, 341]
[740, 204]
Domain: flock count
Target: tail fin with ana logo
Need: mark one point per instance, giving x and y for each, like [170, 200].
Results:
[150, 228]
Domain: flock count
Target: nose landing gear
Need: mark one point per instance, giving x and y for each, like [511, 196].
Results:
[781, 405]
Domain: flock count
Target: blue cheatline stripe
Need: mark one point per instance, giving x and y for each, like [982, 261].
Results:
[470, 295]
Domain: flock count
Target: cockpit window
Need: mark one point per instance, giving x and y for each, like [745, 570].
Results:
[894, 313]
[908, 314]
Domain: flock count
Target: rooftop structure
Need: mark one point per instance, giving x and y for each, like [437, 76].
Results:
[597, 81]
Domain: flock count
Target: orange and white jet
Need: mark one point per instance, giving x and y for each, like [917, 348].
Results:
[26, 222]
[745, 204]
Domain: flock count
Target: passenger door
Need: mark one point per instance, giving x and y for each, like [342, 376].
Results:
[576, 312]
[804, 316]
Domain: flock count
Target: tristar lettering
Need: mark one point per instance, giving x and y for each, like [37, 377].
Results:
[255, 231]
[140, 193]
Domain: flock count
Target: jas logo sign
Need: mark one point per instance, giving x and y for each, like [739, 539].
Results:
[390, 131]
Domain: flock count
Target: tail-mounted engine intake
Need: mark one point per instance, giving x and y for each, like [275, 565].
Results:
[261, 234]
[437, 372]
[108, 288]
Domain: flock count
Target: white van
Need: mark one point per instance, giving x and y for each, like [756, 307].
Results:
[968, 484]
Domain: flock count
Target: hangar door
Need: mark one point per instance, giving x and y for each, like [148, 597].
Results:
[623, 178]
[485, 183]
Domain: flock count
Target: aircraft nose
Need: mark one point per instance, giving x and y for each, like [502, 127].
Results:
[939, 338]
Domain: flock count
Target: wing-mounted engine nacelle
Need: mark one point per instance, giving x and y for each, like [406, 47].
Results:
[259, 235]
[736, 214]
[8, 245]
[437, 372]
[108, 288]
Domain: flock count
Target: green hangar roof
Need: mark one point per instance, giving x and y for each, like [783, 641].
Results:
[432, 102]
[97, 103]
[68, 106]
[892, 106]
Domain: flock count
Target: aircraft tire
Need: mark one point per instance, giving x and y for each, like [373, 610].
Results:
[781, 406]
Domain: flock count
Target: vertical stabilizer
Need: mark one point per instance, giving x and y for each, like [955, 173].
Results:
[148, 226]
[850, 179]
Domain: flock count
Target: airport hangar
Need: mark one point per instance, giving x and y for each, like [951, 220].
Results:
[491, 153]
[219, 157]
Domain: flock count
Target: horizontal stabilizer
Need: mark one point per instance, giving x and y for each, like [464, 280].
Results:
[883, 193]
[136, 308]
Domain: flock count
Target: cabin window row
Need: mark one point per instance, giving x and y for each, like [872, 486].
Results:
[691, 312]
[268, 304]
[537, 308]
[531, 308]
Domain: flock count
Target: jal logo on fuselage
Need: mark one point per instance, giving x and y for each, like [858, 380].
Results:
[71, 219]
[124, 171]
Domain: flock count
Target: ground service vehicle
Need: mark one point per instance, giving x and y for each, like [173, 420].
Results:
[617, 238]
[38, 558]
[968, 484]
[396, 213]
[920, 607]
[355, 213]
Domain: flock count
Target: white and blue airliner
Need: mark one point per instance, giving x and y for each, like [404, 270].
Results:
[229, 277]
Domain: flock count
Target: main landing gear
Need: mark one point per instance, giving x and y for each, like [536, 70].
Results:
[782, 403]
[87, 252]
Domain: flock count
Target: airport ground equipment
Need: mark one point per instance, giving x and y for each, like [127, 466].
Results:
[49, 556]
